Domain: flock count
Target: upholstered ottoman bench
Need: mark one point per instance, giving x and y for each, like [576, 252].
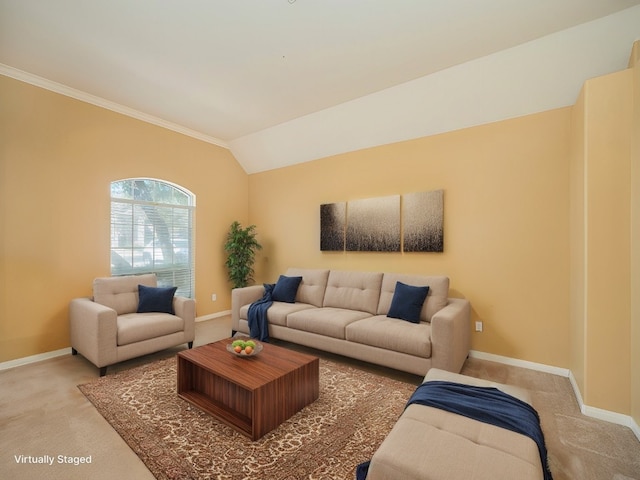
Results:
[429, 443]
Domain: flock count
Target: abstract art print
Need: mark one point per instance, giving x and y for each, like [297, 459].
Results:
[422, 221]
[373, 225]
[333, 218]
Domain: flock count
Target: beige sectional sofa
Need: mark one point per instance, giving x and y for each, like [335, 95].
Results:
[345, 312]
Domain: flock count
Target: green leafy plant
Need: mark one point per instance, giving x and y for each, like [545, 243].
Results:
[241, 247]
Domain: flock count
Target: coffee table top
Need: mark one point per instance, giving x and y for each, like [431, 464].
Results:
[248, 372]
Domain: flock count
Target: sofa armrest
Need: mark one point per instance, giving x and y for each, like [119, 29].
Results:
[185, 308]
[241, 297]
[451, 336]
[94, 331]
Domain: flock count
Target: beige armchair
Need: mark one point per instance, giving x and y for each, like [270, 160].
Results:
[107, 328]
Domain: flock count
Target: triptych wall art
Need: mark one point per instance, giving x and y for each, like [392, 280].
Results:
[412, 223]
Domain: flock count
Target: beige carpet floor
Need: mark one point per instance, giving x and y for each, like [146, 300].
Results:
[43, 413]
[580, 447]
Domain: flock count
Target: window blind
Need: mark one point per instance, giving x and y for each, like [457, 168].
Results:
[152, 232]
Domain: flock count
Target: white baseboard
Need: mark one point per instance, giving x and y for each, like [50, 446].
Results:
[593, 412]
[635, 428]
[601, 414]
[34, 358]
[211, 316]
[67, 351]
[576, 390]
[611, 417]
[540, 367]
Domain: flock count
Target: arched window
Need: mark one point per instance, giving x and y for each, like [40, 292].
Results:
[152, 232]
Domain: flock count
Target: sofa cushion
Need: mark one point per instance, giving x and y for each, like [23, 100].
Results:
[486, 451]
[436, 300]
[314, 283]
[353, 290]
[135, 327]
[156, 299]
[277, 312]
[121, 293]
[407, 302]
[392, 334]
[330, 322]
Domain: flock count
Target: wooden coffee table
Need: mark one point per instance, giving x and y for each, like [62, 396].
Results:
[251, 394]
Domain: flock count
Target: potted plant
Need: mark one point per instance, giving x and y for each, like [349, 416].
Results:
[241, 247]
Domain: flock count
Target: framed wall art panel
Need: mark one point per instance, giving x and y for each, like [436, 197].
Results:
[373, 225]
[333, 218]
[423, 221]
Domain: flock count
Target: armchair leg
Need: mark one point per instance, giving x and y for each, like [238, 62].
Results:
[103, 371]
[74, 351]
[190, 345]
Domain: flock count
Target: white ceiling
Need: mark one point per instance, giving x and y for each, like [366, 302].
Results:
[285, 81]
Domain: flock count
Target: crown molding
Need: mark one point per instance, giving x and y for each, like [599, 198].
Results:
[52, 86]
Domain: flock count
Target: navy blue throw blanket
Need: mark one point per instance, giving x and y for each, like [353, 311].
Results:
[488, 405]
[362, 470]
[257, 315]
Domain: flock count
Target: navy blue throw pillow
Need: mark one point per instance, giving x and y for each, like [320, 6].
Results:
[407, 302]
[156, 299]
[286, 289]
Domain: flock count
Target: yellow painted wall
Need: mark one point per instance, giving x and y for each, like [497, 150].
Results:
[605, 241]
[506, 191]
[57, 159]
[602, 188]
[635, 236]
[608, 111]
[578, 224]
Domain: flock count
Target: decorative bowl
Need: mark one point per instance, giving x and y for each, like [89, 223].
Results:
[255, 351]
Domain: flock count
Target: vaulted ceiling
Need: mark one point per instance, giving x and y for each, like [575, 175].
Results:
[286, 81]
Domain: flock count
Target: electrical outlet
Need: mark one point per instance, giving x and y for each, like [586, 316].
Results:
[478, 326]
[214, 297]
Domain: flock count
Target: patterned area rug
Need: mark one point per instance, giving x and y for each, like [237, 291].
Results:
[325, 440]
